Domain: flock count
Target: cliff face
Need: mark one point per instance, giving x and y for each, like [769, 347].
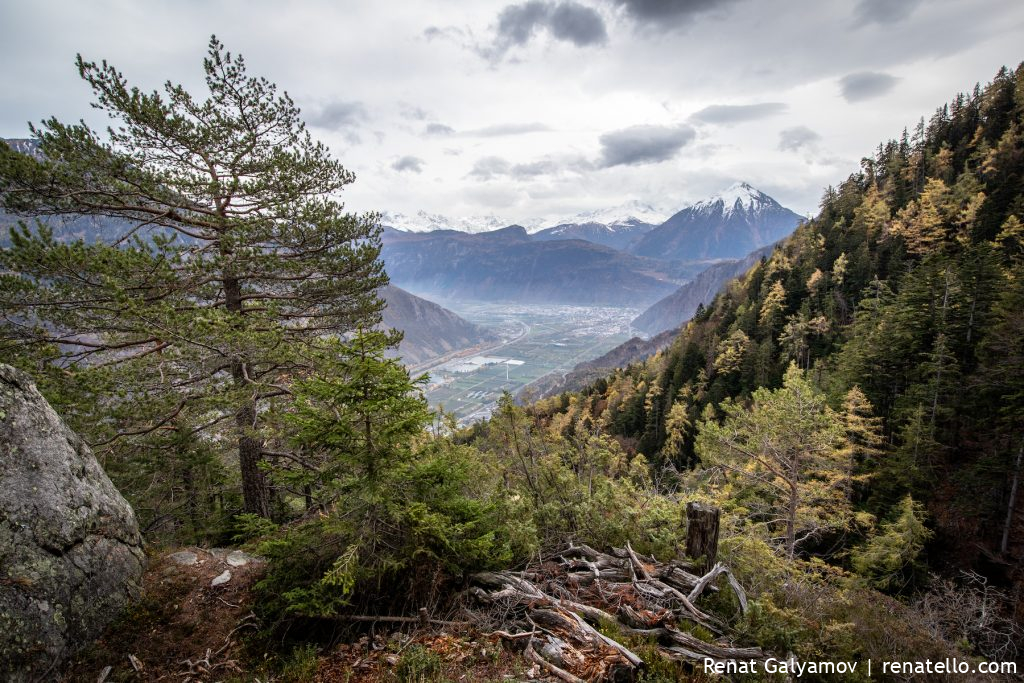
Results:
[70, 549]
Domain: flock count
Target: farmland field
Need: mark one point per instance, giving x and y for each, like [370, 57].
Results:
[536, 340]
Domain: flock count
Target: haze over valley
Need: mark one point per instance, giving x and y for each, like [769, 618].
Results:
[565, 294]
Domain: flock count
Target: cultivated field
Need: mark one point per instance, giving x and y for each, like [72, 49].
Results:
[536, 339]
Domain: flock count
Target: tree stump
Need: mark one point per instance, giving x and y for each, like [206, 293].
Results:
[702, 534]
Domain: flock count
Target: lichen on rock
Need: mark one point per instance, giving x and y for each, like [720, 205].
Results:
[70, 549]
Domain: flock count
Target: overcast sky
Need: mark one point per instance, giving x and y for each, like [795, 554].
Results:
[545, 107]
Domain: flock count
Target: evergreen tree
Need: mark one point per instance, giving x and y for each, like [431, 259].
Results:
[391, 499]
[788, 447]
[234, 265]
[891, 558]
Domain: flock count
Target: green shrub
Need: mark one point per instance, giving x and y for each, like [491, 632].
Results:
[418, 665]
[301, 665]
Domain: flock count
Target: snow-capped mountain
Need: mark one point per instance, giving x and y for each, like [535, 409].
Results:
[729, 224]
[737, 197]
[627, 214]
[422, 221]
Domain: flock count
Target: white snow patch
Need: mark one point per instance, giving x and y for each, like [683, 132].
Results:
[422, 221]
[736, 197]
[625, 215]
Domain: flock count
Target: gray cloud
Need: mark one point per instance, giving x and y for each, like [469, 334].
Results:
[497, 130]
[638, 145]
[453, 33]
[567, 21]
[413, 112]
[487, 168]
[438, 129]
[577, 24]
[408, 163]
[883, 11]
[793, 139]
[517, 23]
[668, 14]
[534, 169]
[727, 114]
[865, 85]
[338, 115]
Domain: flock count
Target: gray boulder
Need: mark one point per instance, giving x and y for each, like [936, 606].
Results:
[70, 549]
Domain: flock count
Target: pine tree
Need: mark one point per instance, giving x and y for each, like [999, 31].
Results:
[890, 558]
[233, 266]
[864, 438]
[922, 224]
[788, 448]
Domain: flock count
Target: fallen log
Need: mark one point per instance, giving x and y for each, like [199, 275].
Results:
[568, 601]
[559, 673]
[715, 572]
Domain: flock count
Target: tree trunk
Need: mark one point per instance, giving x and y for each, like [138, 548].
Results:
[255, 490]
[1005, 545]
[791, 523]
[702, 534]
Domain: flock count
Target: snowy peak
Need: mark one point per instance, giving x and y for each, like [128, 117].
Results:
[626, 215]
[740, 197]
[727, 225]
[422, 221]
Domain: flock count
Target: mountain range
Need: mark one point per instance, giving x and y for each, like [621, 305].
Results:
[630, 212]
[623, 256]
[621, 236]
[507, 265]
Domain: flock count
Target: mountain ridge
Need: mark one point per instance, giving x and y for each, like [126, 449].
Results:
[679, 306]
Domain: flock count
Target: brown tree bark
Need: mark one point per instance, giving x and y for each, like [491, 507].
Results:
[1004, 546]
[255, 489]
[702, 534]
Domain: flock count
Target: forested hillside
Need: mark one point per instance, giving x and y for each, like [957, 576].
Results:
[903, 303]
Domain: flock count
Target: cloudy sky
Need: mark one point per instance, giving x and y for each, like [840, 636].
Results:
[545, 107]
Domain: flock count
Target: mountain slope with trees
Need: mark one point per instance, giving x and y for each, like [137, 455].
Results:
[428, 330]
[679, 306]
[902, 302]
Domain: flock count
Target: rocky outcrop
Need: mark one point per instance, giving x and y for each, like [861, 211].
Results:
[70, 549]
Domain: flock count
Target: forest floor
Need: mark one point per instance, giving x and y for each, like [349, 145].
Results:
[185, 629]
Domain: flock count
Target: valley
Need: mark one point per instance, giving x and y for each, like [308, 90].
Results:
[536, 340]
